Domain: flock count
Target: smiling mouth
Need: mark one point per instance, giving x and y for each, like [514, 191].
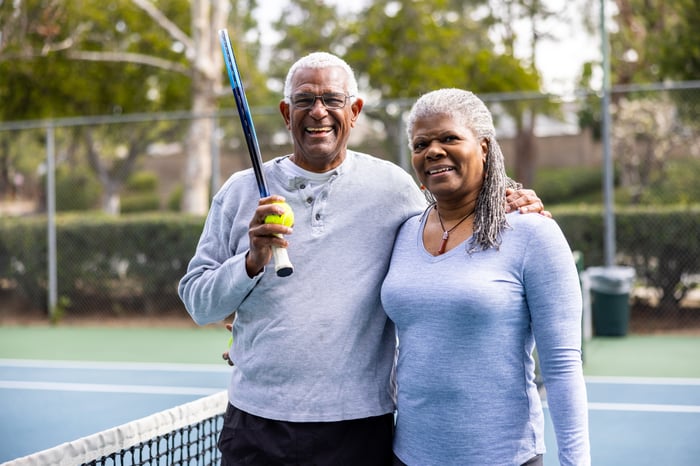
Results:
[321, 130]
[439, 170]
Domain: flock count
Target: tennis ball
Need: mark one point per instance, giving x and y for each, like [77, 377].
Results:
[286, 219]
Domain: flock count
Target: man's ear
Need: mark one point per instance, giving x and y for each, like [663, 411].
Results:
[356, 108]
[284, 110]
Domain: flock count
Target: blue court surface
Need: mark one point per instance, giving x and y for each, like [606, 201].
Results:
[633, 421]
[640, 421]
[47, 403]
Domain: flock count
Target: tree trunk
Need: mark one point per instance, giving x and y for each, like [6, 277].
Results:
[111, 200]
[198, 168]
[208, 16]
[525, 153]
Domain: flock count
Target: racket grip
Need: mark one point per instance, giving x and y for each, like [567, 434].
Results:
[283, 267]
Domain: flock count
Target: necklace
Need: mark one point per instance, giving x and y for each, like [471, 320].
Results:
[446, 233]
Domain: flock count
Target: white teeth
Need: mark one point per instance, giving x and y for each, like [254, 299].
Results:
[440, 170]
[319, 130]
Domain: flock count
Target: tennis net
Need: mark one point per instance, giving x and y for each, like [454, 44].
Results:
[184, 435]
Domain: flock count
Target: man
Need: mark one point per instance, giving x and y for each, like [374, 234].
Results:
[314, 351]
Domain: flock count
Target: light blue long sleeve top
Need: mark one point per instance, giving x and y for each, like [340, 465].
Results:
[316, 345]
[467, 325]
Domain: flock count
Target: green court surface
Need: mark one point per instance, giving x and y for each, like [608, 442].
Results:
[199, 345]
[632, 355]
[643, 356]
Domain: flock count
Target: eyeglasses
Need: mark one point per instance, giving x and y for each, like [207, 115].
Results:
[331, 100]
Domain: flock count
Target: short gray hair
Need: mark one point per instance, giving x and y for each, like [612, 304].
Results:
[319, 60]
[466, 108]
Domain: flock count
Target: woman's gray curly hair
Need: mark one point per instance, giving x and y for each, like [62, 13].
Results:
[466, 108]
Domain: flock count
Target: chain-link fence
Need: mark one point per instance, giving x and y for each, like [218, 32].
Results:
[89, 169]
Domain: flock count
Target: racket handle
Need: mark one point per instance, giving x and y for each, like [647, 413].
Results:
[283, 267]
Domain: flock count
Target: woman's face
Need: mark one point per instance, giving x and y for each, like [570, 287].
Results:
[448, 158]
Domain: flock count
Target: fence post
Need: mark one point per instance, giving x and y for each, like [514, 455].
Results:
[608, 192]
[51, 216]
[215, 157]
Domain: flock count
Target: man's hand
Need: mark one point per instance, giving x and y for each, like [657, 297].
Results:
[262, 236]
[225, 355]
[526, 201]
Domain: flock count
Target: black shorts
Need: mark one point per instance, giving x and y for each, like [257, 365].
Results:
[252, 440]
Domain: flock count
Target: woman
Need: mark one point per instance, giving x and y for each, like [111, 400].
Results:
[471, 289]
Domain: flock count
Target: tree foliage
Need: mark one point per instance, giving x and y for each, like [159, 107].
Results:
[123, 56]
[404, 48]
[50, 67]
[411, 47]
[306, 26]
[645, 131]
[651, 41]
[656, 40]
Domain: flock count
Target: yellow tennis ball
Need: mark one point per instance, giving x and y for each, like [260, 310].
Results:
[286, 219]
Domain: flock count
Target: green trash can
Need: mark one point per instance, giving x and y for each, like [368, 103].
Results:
[610, 296]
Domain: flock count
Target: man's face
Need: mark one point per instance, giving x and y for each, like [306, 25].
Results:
[320, 134]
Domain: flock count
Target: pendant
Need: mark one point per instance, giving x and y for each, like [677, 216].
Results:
[443, 245]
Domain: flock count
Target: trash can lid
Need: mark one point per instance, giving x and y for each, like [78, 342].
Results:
[613, 279]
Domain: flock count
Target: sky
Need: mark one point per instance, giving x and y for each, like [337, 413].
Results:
[558, 60]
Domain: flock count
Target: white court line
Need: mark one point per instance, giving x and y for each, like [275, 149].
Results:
[135, 366]
[107, 388]
[647, 408]
[643, 380]
[639, 407]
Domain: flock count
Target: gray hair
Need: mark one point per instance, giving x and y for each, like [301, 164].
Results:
[466, 108]
[320, 60]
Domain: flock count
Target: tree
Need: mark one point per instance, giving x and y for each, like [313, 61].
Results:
[416, 46]
[645, 131]
[204, 53]
[404, 48]
[651, 40]
[524, 112]
[42, 44]
[120, 34]
[655, 40]
[54, 63]
[306, 26]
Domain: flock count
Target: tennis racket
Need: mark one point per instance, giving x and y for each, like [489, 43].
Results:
[283, 266]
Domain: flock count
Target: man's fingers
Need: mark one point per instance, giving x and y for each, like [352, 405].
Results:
[524, 200]
[225, 356]
[534, 206]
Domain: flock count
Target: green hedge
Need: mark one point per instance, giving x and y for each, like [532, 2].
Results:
[137, 260]
[130, 261]
[660, 242]
[561, 185]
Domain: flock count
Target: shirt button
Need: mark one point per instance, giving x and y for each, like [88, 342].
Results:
[318, 216]
[309, 200]
[302, 186]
